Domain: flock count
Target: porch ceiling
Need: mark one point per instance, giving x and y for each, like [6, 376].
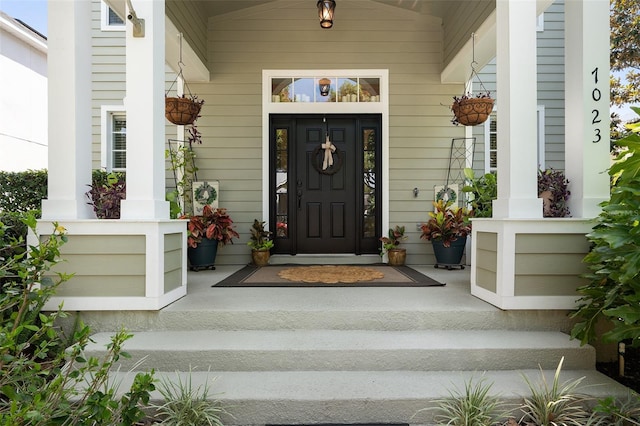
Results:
[455, 71]
[220, 7]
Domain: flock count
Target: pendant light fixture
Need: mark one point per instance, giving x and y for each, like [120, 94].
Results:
[325, 12]
[324, 85]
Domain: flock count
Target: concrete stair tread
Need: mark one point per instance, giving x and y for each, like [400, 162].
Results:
[305, 397]
[351, 350]
[202, 340]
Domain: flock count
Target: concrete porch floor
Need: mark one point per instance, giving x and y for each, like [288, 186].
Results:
[456, 293]
[433, 307]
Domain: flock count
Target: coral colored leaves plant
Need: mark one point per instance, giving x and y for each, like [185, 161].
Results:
[446, 223]
[213, 224]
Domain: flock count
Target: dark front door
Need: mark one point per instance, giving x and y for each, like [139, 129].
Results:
[324, 199]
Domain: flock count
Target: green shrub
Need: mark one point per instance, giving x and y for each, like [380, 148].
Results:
[22, 191]
[613, 291]
[44, 377]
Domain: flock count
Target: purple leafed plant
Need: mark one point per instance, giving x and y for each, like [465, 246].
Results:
[553, 189]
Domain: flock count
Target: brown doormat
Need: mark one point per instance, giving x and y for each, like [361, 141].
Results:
[377, 275]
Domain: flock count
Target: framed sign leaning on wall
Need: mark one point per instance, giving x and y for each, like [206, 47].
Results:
[205, 194]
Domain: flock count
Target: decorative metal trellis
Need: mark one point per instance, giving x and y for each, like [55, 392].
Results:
[462, 149]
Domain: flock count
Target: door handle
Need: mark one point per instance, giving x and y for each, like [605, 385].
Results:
[299, 199]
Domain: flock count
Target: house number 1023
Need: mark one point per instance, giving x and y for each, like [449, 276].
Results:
[596, 95]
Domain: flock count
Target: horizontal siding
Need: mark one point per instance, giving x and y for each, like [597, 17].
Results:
[554, 285]
[103, 286]
[103, 265]
[107, 244]
[108, 78]
[241, 45]
[549, 264]
[486, 260]
[173, 253]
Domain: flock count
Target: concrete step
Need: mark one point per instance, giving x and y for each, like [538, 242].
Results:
[356, 397]
[350, 350]
[383, 308]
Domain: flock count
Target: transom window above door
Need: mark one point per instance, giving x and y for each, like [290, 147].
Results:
[325, 89]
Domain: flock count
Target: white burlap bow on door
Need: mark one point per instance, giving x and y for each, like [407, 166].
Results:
[329, 148]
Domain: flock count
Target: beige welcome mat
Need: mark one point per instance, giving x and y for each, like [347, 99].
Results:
[378, 275]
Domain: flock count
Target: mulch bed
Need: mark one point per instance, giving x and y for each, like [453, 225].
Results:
[631, 376]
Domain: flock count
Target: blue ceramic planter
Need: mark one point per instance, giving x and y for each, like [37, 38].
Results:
[203, 256]
[449, 257]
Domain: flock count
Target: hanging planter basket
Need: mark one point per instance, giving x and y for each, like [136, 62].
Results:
[472, 111]
[181, 111]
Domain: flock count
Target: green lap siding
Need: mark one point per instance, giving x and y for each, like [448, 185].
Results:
[172, 261]
[549, 264]
[487, 260]
[103, 265]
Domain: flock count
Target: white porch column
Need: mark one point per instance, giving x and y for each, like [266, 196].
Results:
[144, 104]
[69, 91]
[587, 104]
[517, 123]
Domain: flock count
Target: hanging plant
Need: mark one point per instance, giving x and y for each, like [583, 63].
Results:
[182, 110]
[470, 110]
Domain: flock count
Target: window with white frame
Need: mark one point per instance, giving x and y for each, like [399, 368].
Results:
[540, 23]
[491, 141]
[109, 19]
[113, 139]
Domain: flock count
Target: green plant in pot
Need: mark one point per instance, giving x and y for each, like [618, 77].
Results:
[205, 233]
[447, 229]
[397, 256]
[260, 243]
[481, 192]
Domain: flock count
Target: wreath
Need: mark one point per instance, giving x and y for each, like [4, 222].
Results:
[317, 159]
[450, 194]
[206, 194]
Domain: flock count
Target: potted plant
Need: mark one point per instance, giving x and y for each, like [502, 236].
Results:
[447, 229]
[553, 189]
[205, 233]
[106, 193]
[397, 256]
[482, 190]
[182, 110]
[260, 243]
[470, 110]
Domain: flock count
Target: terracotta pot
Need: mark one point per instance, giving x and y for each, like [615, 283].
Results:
[397, 257]
[260, 257]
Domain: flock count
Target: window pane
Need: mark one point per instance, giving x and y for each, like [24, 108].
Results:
[119, 159]
[348, 89]
[114, 19]
[118, 142]
[369, 182]
[282, 186]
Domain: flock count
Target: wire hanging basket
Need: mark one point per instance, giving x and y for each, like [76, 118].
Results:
[472, 110]
[181, 110]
